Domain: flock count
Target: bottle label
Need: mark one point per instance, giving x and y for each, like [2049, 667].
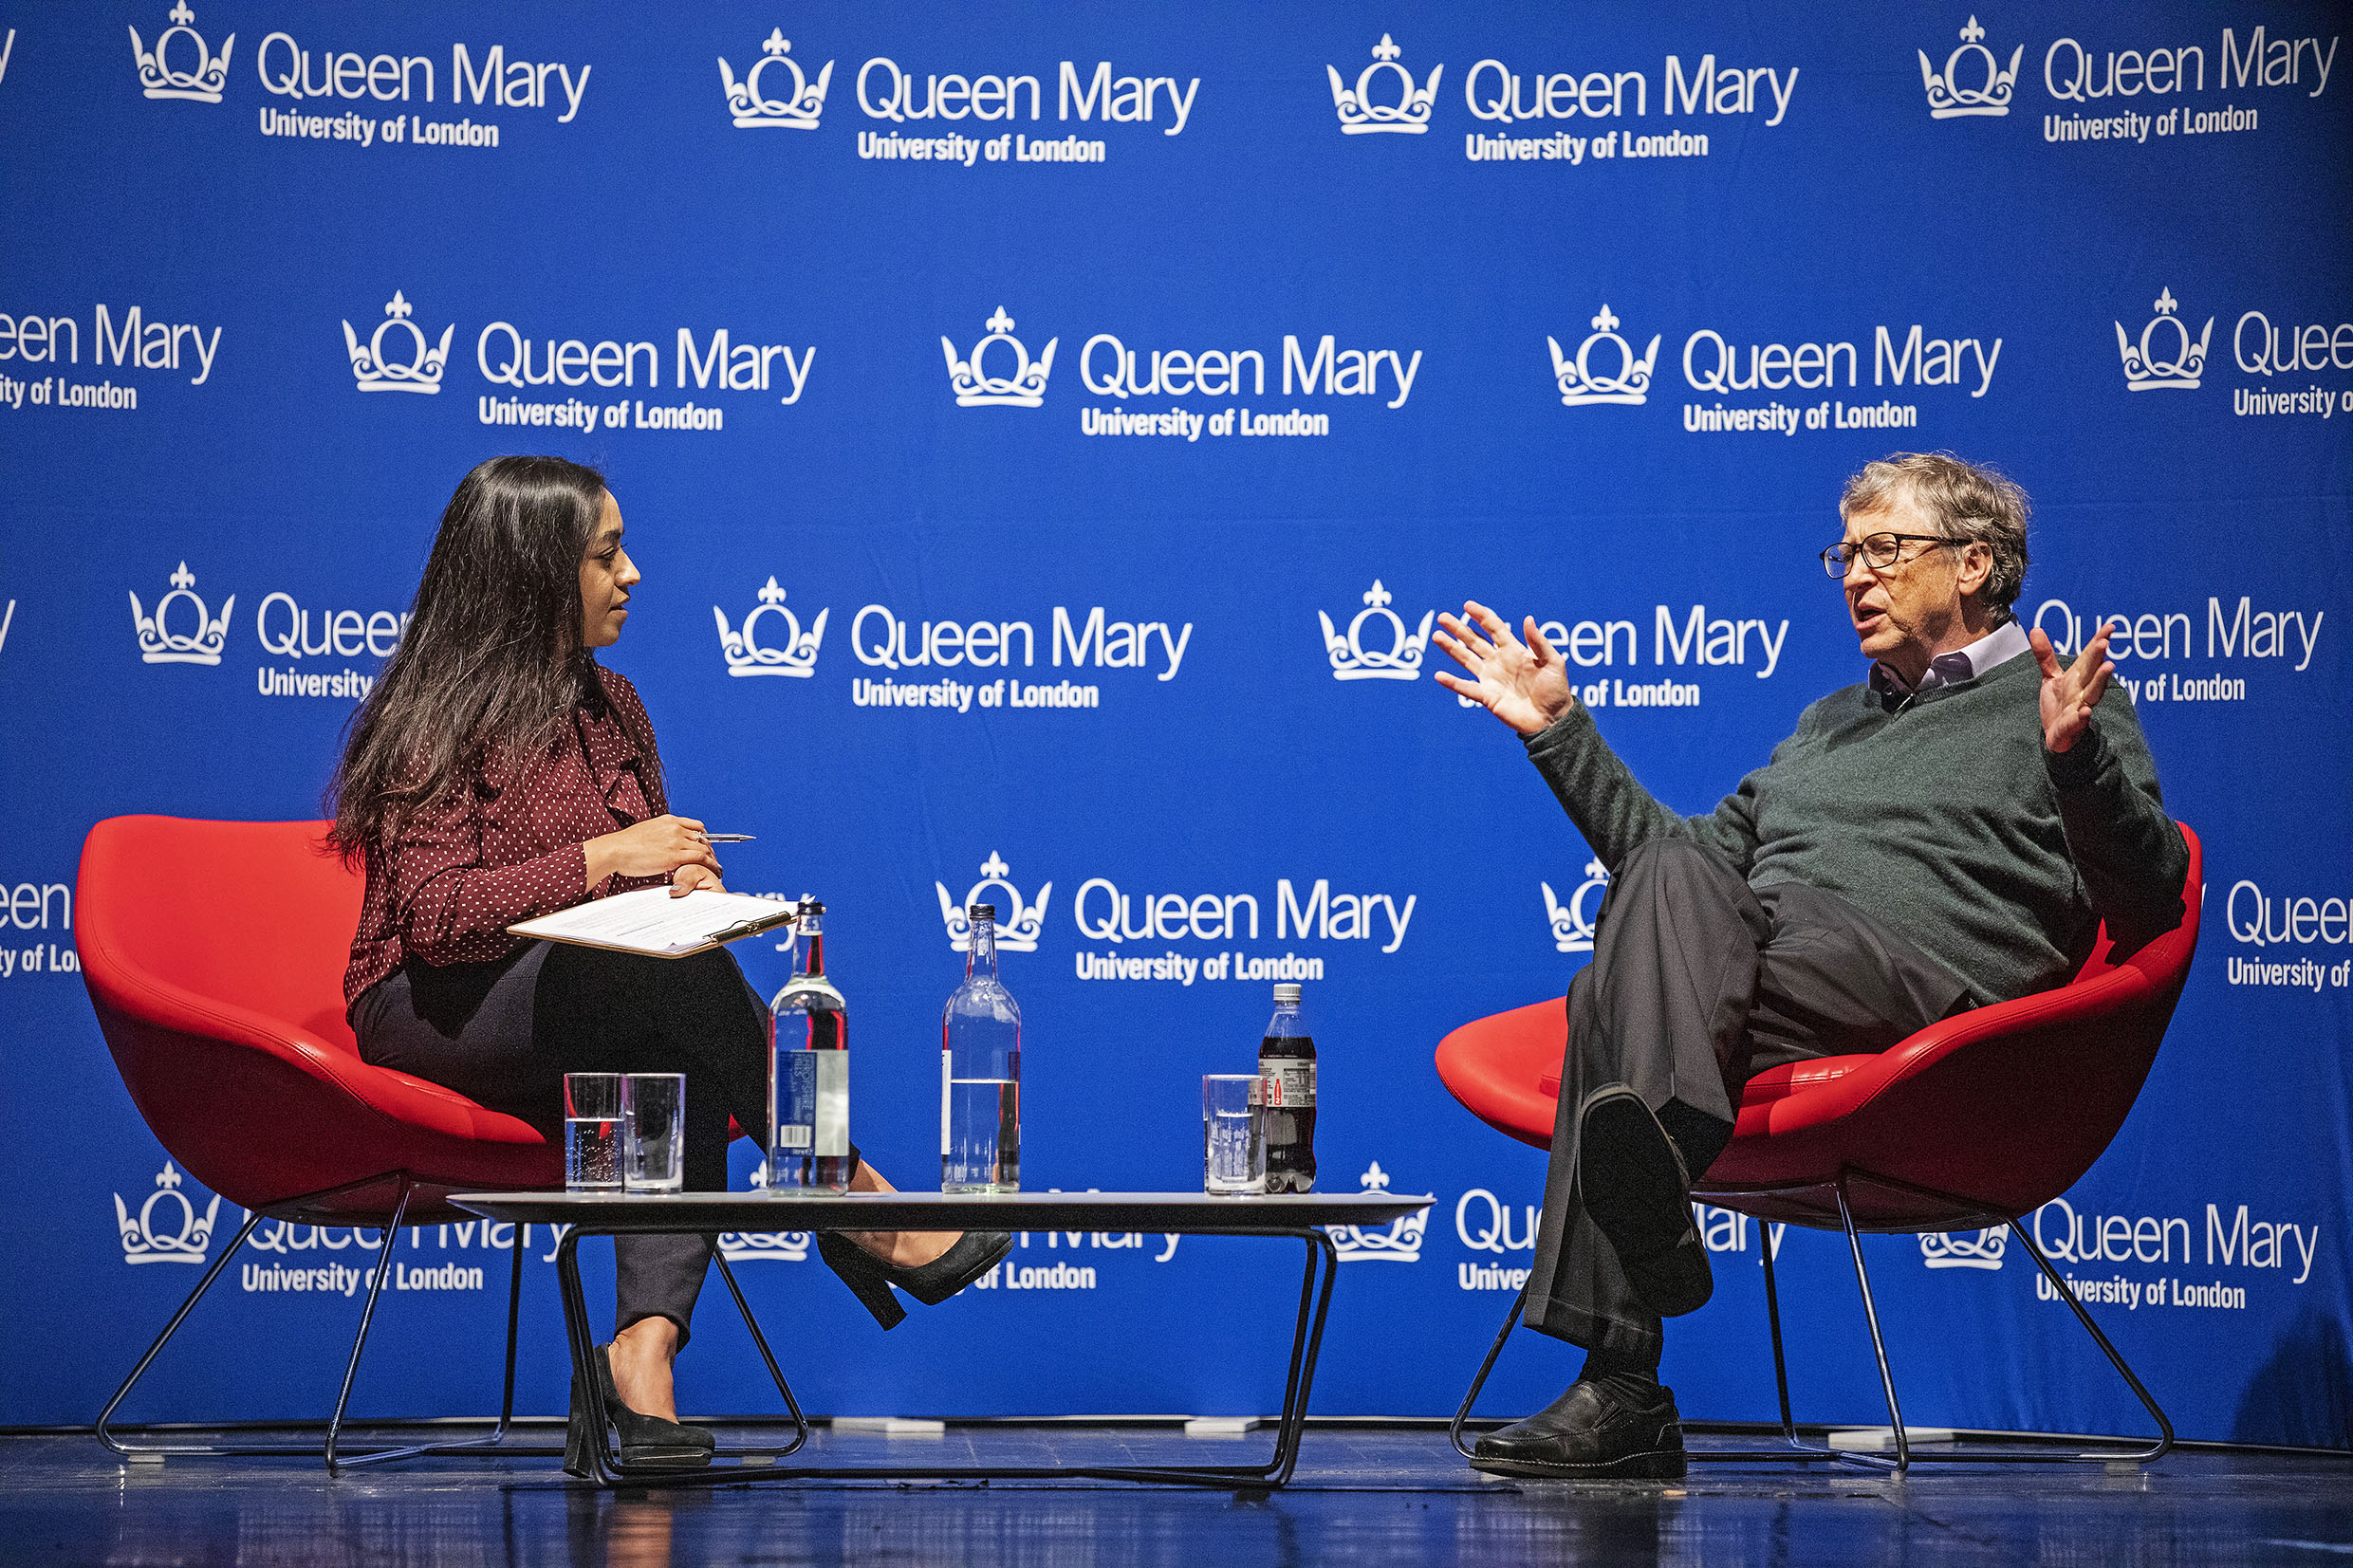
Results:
[1289, 1082]
[813, 1104]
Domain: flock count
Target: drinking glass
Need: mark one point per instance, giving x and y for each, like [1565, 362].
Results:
[1234, 1134]
[653, 1115]
[592, 1132]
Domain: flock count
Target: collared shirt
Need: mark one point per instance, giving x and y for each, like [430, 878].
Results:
[506, 846]
[2003, 643]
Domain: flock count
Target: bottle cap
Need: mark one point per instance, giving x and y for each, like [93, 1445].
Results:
[812, 906]
[1285, 992]
[982, 912]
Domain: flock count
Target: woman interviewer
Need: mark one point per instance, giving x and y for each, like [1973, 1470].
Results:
[497, 772]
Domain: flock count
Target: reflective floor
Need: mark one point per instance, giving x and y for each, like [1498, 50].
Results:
[1362, 1496]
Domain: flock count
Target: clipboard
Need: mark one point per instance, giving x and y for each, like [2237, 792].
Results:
[652, 924]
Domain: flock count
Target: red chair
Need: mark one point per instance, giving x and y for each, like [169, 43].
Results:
[214, 956]
[1974, 1122]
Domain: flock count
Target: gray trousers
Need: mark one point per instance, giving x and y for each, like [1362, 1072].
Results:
[1698, 982]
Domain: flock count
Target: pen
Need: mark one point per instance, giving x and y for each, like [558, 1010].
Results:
[726, 837]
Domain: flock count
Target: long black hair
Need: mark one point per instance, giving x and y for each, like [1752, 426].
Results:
[491, 667]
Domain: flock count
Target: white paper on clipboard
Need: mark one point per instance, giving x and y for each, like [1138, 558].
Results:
[650, 921]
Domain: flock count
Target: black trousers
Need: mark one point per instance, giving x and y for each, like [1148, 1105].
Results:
[1698, 982]
[504, 1035]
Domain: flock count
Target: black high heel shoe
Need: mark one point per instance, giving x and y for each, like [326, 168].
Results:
[647, 1441]
[974, 1254]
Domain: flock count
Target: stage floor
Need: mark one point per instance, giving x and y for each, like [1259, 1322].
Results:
[1362, 1496]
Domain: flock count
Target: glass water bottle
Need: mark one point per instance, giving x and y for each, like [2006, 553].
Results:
[1286, 1062]
[980, 1072]
[808, 1081]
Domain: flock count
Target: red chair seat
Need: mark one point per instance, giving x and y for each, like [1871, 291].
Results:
[214, 954]
[1997, 1110]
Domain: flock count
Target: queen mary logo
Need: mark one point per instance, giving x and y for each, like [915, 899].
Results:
[1399, 1244]
[1959, 1250]
[164, 638]
[1974, 81]
[166, 1228]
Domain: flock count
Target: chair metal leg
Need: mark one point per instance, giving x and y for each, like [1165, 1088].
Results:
[1879, 1344]
[367, 1317]
[1773, 1318]
[337, 1459]
[1462, 1412]
[514, 1327]
[1904, 1457]
[105, 1432]
[2165, 1426]
[496, 1438]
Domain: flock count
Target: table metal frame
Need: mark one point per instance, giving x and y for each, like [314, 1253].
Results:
[1178, 1214]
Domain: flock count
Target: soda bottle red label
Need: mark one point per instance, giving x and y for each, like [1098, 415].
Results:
[1290, 1082]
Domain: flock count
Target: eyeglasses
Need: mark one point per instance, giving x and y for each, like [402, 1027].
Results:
[1879, 552]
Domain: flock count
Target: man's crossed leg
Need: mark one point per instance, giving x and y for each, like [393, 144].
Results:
[1697, 983]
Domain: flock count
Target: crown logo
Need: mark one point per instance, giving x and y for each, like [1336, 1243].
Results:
[756, 111]
[1352, 660]
[142, 1242]
[2144, 371]
[768, 1246]
[777, 1246]
[976, 388]
[747, 656]
[161, 80]
[159, 644]
[1943, 1249]
[375, 374]
[1400, 1244]
[1948, 98]
[1359, 115]
[1018, 924]
[1572, 927]
[1581, 382]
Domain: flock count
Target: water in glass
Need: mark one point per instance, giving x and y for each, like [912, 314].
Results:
[592, 1154]
[1233, 1147]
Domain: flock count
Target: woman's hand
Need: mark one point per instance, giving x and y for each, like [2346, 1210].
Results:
[1524, 684]
[687, 878]
[658, 846]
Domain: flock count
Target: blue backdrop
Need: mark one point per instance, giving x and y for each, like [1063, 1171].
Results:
[1045, 435]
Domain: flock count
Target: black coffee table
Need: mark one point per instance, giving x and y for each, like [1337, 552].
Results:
[1297, 1217]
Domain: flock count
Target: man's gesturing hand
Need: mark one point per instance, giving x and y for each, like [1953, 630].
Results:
[1521, 683]
[2070, 694]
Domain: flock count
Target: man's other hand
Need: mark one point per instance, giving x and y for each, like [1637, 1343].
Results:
[2068, 694]
[1521, 683]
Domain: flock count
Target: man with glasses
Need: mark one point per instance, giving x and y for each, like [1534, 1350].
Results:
[1945, 833]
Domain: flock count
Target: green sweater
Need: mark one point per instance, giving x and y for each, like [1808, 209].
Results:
[1948, 821]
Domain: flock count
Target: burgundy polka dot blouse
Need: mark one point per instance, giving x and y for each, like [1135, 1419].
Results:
[508, 848]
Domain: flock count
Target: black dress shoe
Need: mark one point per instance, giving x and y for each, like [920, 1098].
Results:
[647, 1441]
[1632, 1180]
[974, 1254]
[1594, 1431]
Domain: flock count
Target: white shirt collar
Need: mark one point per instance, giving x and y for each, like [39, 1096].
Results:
[2003, 643]
[1999, 646]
